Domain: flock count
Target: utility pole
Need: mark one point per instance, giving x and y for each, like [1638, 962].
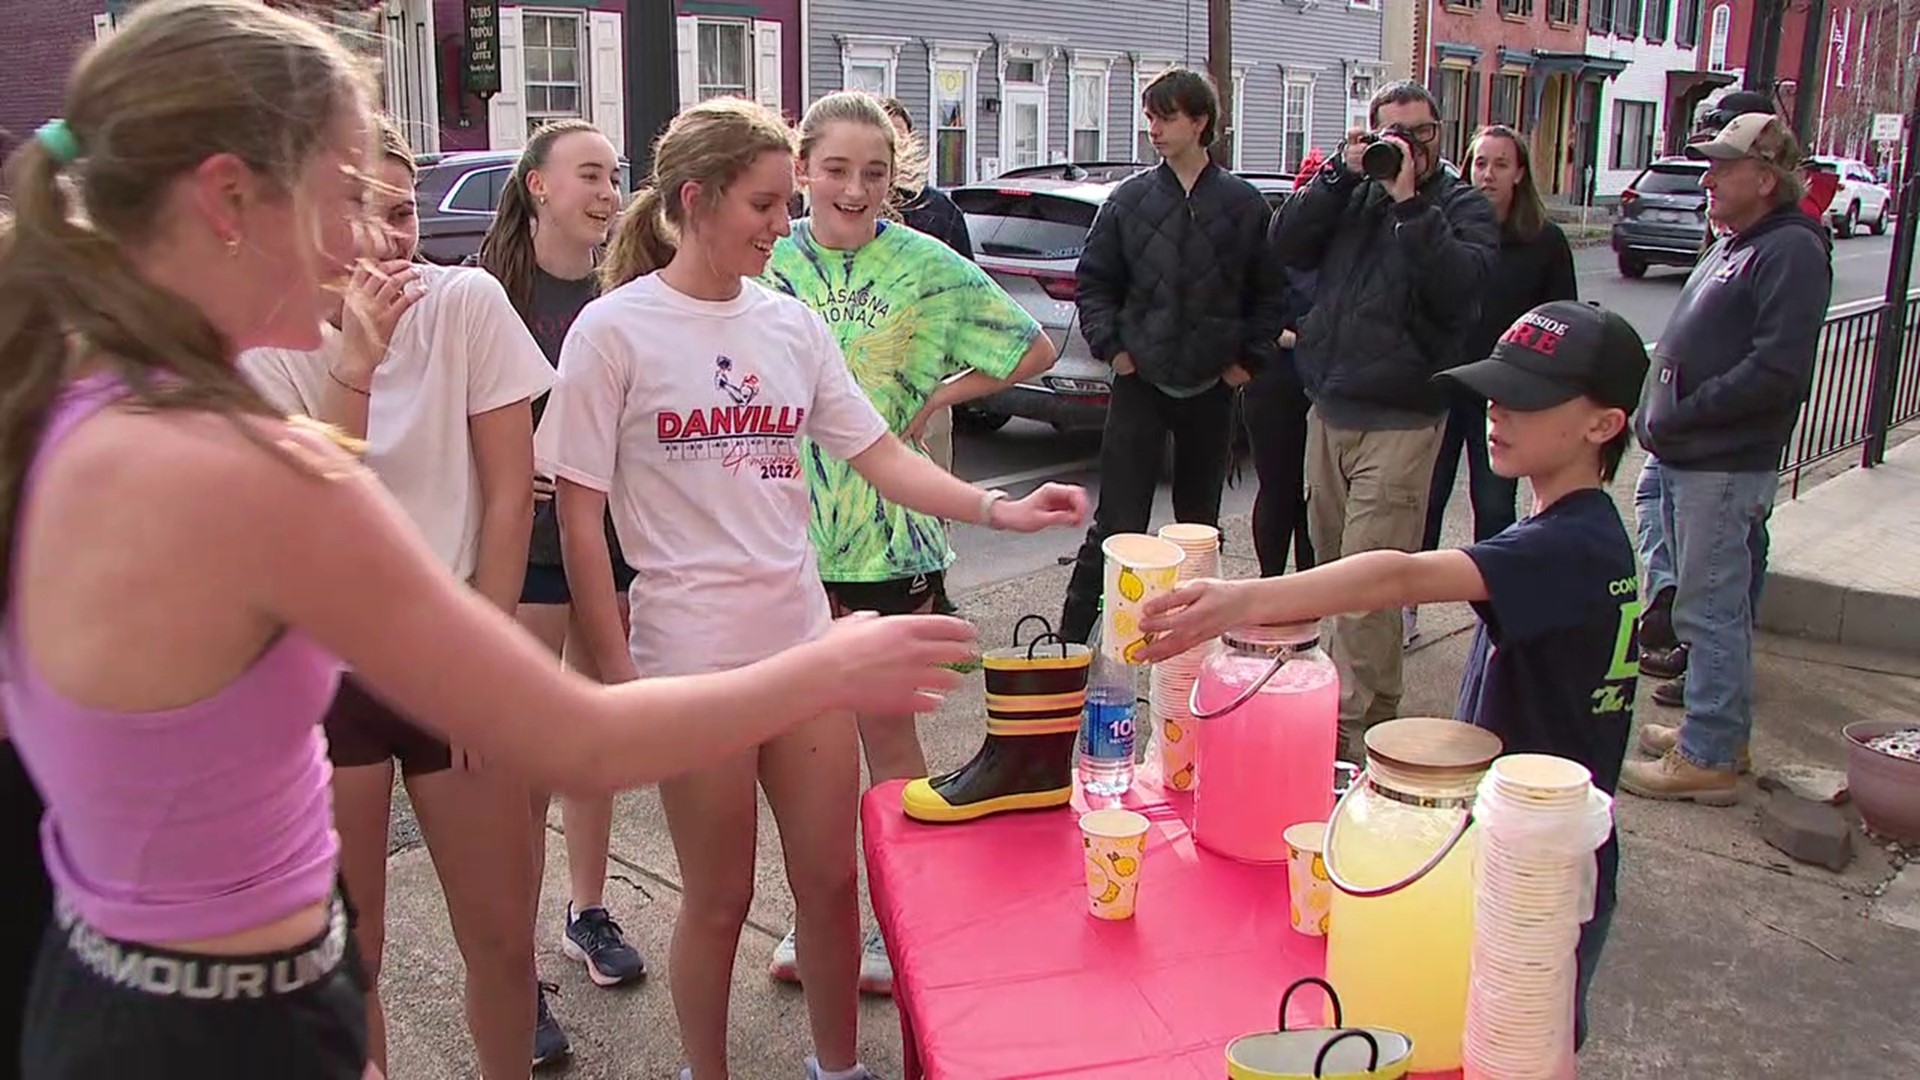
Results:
[1763, 45]
[1220, 66]
[1889, 342]
[1814, 43]
[653, 79]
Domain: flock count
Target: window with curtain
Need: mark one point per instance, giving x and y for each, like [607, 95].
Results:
[1296, 123]
[1457, 115]
[1632, 134]
[950, 94]
[724, 60]
[1508, 100]
[1089, 114]
[550, 54]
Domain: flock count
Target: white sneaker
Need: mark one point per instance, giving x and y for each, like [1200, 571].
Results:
[876, 967]
[814, 1072]
[786, 962]
[1409, 627]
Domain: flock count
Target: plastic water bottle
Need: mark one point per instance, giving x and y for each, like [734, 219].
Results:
[1106, 730]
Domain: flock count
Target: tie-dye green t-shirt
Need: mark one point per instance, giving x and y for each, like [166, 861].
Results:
[909, 314]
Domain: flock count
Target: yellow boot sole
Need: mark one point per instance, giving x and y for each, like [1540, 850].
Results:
[922, 803]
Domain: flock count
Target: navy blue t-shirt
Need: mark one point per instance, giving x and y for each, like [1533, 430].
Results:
[1556, 658]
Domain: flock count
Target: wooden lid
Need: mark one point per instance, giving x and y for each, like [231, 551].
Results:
[1433, 747]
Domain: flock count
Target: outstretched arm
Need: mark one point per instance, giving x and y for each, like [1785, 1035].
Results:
[1372, 581]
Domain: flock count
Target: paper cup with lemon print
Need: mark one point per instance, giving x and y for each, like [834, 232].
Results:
[1139, 568]
[1113, 846]
[1310, 897]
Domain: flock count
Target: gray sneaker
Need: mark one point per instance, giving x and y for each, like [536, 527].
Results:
[786, 963]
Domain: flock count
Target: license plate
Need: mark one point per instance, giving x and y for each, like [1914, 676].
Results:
[1671, 216]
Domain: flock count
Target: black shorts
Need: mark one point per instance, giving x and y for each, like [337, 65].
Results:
[110, 1010]
[363, 730]
[901, 596]
[548, 584]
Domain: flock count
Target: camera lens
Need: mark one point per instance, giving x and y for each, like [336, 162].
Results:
[1381, 160]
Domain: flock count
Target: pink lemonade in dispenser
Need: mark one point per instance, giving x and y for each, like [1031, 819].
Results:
[1267, 715]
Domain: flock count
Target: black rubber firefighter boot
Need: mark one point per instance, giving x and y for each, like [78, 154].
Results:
[1035, 695]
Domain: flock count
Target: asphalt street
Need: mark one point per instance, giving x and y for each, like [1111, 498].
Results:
[1023, 455]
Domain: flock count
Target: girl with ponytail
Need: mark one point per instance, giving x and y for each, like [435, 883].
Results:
[559, 203]
[187, 570]
[685, 391]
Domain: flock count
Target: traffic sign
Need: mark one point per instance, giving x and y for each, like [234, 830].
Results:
[1887, 126]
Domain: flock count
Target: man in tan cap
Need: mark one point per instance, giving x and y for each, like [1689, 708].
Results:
[1729, 377]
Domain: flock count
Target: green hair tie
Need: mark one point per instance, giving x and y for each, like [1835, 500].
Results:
[59, 140]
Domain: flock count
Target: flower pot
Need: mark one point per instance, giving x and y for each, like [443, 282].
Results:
[1884, 787]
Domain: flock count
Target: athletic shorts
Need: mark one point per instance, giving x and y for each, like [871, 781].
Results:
[901, 596]
[362, 730]
[548, 584]
[102, 1009]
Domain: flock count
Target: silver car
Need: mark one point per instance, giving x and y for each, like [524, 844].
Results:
[1028, 229]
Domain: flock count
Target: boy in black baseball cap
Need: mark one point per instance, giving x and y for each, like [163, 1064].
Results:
[1555, 658]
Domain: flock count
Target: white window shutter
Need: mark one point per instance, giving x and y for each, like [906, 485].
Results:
[689, 26]
[507, 110]
[102, 27]
[766, 63]
[609, 78]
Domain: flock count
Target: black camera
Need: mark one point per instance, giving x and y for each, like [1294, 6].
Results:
[1381, 159]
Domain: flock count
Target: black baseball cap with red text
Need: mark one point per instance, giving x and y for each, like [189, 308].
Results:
[1559, 351]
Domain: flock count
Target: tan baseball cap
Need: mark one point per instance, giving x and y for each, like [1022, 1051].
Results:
[1761, 136]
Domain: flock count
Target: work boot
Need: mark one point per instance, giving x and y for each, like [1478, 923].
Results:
[1660, 739]
[1657, 663]
[1035, 694]
[1671, 694]
[1674, 778]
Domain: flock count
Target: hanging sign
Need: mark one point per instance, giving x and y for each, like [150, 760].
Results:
[482, 67]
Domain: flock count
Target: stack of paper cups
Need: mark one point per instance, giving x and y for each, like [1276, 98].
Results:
[1202, 545]
[1172, 680]
[1540, 821]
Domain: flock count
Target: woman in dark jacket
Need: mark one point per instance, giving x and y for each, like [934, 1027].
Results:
[1535, 265]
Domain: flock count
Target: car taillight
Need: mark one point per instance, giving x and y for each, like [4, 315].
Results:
[1060, 288]
[1627, 197]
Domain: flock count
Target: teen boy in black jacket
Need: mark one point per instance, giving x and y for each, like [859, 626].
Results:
[1179, 292]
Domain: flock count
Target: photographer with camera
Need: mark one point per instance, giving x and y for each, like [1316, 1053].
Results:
[1404, 250]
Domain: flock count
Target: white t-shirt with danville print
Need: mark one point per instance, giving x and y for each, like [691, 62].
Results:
[459, 352]
[688, 413]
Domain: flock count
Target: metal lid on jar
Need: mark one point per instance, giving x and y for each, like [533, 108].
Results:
[1273, 638]
[1431, 748]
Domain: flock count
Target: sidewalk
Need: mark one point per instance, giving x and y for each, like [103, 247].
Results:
[1845, 561]
[1726, 960]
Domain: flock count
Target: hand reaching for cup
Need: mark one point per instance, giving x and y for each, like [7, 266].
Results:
[1048, 506]
[1192, 614]
[896, 666]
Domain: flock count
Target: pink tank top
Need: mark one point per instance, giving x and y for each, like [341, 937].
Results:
[185, 823]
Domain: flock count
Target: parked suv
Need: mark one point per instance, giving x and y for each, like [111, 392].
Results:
[1029, 228]
[1860, 198]
[1663, 217]
[458, 194]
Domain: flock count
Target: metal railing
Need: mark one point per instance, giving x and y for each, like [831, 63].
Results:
[1838, 415]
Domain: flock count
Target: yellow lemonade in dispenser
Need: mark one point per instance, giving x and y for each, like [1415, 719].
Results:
[1401, 853]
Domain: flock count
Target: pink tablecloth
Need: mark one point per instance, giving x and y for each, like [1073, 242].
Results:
[1000, 973]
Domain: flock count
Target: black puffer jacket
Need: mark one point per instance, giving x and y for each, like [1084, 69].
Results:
[1400, 285]
[1182, 282]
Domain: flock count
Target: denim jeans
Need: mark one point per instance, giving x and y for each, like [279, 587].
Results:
[1718, 539]
[1495, 498]
[1652, 524]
